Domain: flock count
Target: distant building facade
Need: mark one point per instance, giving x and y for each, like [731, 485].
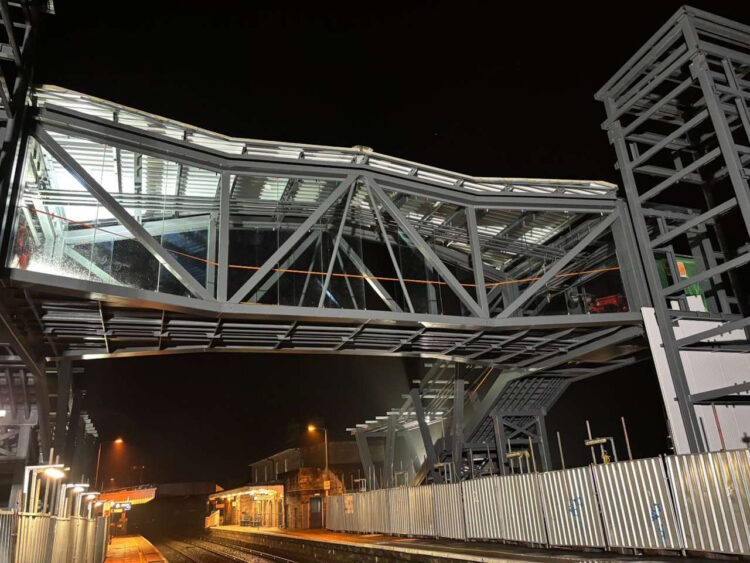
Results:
[301, 471]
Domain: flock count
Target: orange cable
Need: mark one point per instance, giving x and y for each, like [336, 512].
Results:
[335, 274]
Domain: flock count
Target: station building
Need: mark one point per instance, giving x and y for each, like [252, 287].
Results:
[287, 488]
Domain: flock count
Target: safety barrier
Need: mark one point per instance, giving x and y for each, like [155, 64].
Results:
[635, 502]
[42, 538]
[697, 502]
[712, 498]
[571, 508]
[6, 536]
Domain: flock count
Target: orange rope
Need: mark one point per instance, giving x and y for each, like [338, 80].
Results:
[335, 274]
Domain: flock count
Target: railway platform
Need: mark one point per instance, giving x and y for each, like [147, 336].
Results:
[133, 549]
[324, 545]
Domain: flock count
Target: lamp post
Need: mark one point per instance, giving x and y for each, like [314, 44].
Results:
[117, 440]
[313, 428]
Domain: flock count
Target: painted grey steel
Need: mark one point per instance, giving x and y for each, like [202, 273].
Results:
[398, 508]
[449, 511]
[481, 508]
[90, 545]
[712, 496]
[424, 248]
[521, 509]
[571, 508]
[679, 97]
[424, 431]
[421, 511]
[636, 505]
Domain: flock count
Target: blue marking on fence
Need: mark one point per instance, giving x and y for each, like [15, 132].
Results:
[656, 518]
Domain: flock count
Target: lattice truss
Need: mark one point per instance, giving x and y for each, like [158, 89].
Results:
[164, 236]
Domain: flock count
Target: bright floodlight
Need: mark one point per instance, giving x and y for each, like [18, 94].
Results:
[54, 473]
[119, 440]
[311, 428]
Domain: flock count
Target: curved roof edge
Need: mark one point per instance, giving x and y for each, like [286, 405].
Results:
[90, 105]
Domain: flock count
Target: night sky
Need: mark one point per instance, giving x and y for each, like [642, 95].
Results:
[486, 89]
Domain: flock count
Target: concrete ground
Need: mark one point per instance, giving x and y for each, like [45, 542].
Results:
[133, 549]
[484, 552]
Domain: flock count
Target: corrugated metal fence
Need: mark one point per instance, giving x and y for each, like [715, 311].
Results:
[42, 538]
[695, 502]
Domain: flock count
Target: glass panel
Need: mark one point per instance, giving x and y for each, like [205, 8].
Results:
[63, 230]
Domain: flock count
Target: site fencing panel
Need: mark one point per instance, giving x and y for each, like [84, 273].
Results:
[421, 511]
[335, 513]
[712, 497]
[481, 510]
[6, 535]
[350, 518]
[59, 542]
[449, 511]
[101, 539]
[380, 511]
[33, 535]
[398, 508]
[363, 512]
[571, 508]
[521, 509]
[78, 539]
[90, 540]
[636, 504]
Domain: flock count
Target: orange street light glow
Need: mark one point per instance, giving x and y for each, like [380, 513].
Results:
[311, 428]
[119, 441]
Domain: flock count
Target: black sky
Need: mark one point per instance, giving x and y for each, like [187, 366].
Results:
[497, 89]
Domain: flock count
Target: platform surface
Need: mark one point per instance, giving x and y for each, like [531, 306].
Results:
[480, 552]
[133, 549]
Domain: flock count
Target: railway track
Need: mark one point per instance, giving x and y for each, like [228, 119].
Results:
[205, 551]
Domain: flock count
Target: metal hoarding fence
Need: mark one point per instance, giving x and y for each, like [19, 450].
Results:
[421, 511]
[33, 535]
[636, 505]
[59, 544]
[712, 497]
[521, 509]
[481, 510]
[449, 511]
[6, 536]
[102, 539]
[399, 510]
[350, 519]
[78, 539]
[380, 511]
[335, 513]
[571, 508]
[90, 540]
[362, 513]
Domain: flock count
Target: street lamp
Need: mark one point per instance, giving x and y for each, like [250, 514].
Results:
[118, 441]
[312, 428]
[32, 484]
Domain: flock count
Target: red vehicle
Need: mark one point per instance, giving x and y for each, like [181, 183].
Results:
[609, 304]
